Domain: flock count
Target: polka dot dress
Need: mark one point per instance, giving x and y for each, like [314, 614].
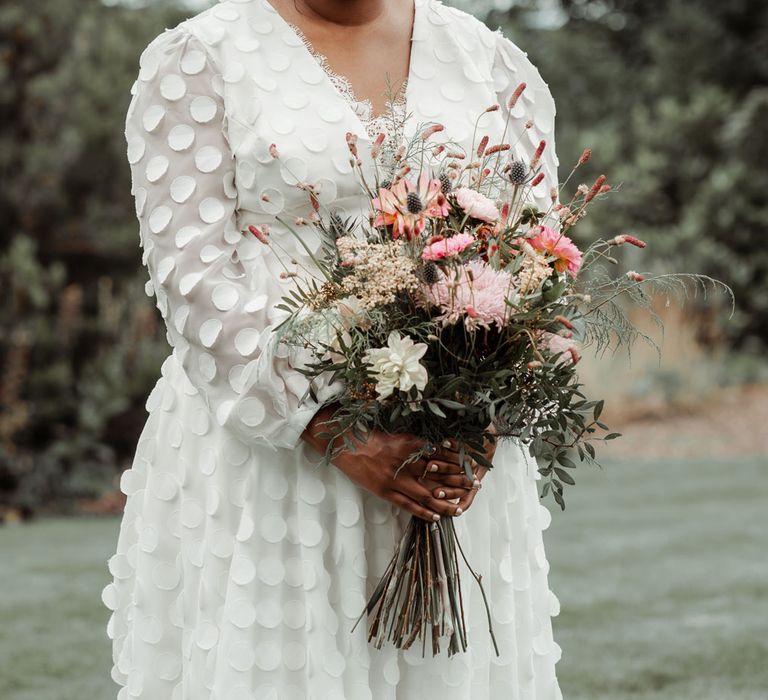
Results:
[241, 564]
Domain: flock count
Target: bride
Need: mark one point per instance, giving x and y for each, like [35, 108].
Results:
[241, 566]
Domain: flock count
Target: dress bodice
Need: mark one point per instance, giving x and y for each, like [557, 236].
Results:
[374, 124]
[234, 119]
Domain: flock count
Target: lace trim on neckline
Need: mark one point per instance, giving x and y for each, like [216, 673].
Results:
[374, 123]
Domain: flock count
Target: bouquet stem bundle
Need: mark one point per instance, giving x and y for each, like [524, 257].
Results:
[419, 595]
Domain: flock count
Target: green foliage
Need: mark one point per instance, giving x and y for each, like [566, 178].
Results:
[75, 372]
[671, 97]
[679, 125]
[80, 345]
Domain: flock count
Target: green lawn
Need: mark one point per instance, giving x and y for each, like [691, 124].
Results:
[661, 569]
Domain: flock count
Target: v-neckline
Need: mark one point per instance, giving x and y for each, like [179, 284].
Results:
[302, 47]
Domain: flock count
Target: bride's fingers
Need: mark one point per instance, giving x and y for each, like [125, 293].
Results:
[419, 493]
[439, 467]
[414, 508]
[450, 492]
[452, 480]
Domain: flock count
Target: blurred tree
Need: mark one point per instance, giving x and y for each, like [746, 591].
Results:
[671, 95]
[79, 341]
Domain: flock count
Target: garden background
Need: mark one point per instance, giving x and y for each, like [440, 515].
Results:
[659, 559]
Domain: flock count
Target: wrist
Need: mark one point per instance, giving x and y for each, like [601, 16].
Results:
[317, 426]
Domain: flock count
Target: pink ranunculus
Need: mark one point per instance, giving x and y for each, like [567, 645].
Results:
[568, 256]
[476, 205]
[447, 246]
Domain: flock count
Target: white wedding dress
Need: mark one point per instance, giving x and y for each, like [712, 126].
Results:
[241, 566]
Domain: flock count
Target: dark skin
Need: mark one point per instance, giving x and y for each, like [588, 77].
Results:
[355, 35]
[423, 488]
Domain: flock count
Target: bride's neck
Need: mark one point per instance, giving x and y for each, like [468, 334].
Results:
[349, 12]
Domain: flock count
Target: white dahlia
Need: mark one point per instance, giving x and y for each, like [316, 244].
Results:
[397, 366]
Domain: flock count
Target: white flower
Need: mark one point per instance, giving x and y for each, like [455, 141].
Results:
[397, 366]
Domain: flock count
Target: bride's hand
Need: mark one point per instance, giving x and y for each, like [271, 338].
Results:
[374, 465]
[451, 481]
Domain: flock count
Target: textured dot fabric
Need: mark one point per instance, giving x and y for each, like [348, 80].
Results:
[242, 565]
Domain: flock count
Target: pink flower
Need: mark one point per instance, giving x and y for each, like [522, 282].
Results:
[568, 256]
[556, 344]
[393, 207]
[476, 205]
[447, 246]
[475, 292]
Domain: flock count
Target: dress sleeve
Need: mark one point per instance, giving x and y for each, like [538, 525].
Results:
[217, 312]
[511, 66]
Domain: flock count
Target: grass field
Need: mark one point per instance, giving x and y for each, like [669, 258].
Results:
[661, 569]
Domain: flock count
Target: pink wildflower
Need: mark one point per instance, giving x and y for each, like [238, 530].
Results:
[476, 205]
[393, 207]
[568, 256]
[556, 344]
[447, 246]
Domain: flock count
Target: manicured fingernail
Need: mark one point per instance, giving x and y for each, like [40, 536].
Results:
[446, 443]
[441, 494]
[459, 511]
[435, 517]
[476, 483]
[433, 467]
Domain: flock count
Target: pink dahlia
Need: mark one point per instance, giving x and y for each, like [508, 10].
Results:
[474, 291]
[568, 256]
[447, 246]
[476, 205]
[407, 205]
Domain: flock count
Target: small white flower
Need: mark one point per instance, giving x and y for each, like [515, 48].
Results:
[397, 366]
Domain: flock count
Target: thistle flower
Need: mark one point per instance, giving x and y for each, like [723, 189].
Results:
[518, 172]
[445, 182]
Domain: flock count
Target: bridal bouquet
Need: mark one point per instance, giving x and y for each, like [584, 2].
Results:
[457, 309]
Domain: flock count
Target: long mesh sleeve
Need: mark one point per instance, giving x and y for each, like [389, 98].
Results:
[218, 314]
